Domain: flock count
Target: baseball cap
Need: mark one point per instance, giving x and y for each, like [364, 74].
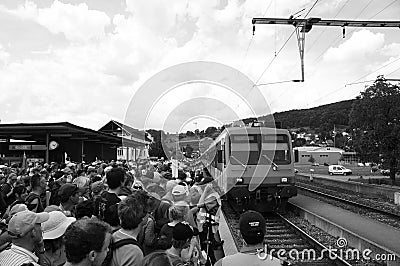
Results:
[23, 222]
[66, 191]
[182, 231]
[252, 224]
[179, 190]
[56, 225]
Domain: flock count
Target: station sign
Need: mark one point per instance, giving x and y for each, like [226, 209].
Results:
[25, 147]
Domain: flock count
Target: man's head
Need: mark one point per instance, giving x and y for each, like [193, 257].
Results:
[38, 182]
[97, 187]
[91, 171]
[25, 228]
[12, 178]
[69, 192]
[179, 211]
[132, 210]
[87, 240]
[20, 191]
[115, 177]
[181, 235]
[252, 227]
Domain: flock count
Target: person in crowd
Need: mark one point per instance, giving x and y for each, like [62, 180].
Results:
[195, 193]
[86, 242]
[53, 231]
[97, 188]
[128, 183]
[115, 178]
[25, 231]
[158, 258]
[208, 220]
[55, 182]
[34, 201]
[180, 193]
[148, 235]
[7, 189]
[177, 214]
[20, 193]
[82, 181]
[91, 173]
[69, 198]
[252, 229]
[132, 213]
[168, 189]
[183, 246]
[84, 209]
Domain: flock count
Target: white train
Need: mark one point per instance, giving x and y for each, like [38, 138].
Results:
[253, 166]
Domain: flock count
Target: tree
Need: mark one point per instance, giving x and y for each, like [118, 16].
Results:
[311, 160]
[375, 119]
[210, 131]
[188, 151]
[156, 148]
[299, 142]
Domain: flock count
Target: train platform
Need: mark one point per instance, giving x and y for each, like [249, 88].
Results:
[382, 235]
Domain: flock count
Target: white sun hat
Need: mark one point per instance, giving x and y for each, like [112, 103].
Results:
[56, 225]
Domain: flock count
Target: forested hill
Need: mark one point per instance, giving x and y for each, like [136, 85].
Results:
[322, 117]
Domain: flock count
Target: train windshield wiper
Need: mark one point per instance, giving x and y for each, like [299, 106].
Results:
[272, 162]
[240, 163]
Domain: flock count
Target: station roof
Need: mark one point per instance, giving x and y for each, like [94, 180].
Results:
[117, 128]
[38, 131]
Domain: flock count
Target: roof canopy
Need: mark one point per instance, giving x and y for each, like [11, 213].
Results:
[38, 131]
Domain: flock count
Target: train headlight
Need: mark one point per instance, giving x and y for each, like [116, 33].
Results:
[239, 180]
[284, 180]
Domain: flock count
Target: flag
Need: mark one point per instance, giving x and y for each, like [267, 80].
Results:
[24, 166]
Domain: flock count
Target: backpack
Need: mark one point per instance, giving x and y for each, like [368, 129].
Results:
[100, 205]
[28, 202]
[116, 245]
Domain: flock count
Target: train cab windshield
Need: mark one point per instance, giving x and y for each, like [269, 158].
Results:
[253, 149]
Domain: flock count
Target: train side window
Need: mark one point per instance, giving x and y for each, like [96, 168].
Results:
[220, 156]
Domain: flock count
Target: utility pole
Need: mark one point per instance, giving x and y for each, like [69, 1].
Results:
[334, 136]
[302, 26]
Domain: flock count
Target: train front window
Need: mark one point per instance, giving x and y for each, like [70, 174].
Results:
[279, 144]
[245, 149]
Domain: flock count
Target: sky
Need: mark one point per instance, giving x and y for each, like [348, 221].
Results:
[89, 61]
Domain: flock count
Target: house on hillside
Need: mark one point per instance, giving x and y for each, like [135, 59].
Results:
[321, 155]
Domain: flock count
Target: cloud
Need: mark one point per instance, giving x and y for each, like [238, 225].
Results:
[76, 22]
[3, 56]
[93, 72]
[361, 44]
[392, 49]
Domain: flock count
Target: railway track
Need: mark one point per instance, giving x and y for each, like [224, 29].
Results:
[287, 239]
[389, 214]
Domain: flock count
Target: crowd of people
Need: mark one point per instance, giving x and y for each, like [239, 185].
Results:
[107, 214]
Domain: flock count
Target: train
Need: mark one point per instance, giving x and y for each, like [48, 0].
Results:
[253, 166]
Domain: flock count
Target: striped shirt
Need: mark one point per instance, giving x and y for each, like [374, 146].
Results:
[15, 256]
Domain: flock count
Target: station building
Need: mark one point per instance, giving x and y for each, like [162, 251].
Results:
[128, 152]
[55, 142]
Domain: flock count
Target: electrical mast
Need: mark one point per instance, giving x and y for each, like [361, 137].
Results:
[302, 26]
